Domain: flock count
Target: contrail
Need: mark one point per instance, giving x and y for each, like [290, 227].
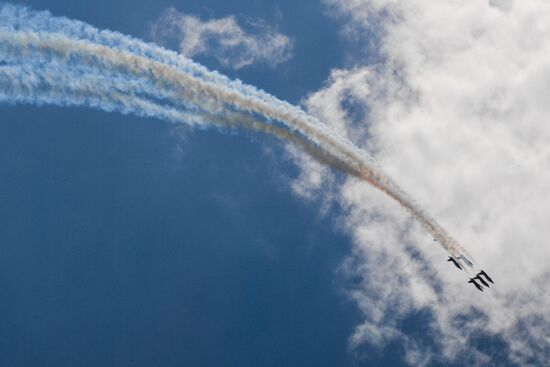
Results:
[105, 93]
[51, 60]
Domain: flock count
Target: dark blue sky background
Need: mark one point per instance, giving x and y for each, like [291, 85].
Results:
[124, 244]
[127, 242]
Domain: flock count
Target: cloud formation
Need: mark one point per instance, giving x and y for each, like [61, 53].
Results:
[224, 39]
[456, 111]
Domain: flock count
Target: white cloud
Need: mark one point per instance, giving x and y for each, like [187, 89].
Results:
[224, 39]
[457, 113]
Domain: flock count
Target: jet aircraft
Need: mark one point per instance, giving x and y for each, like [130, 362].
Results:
[482, 281]
[472, 280]
[465, 259]
[457, 264]
[486, 276]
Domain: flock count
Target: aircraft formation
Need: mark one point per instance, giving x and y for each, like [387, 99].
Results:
[480, 277]
[460, 260]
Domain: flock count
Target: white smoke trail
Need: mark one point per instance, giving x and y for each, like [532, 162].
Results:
[109, 93]
[49, 60]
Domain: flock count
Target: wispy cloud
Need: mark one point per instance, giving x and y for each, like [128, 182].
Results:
[233, 45]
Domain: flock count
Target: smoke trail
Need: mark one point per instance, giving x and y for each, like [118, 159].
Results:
[106, 93]
[49, 60]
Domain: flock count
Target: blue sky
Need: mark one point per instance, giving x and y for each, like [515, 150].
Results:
[132, 241]
[125, 244]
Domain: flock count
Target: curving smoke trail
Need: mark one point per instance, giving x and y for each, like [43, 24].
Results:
[52, 60]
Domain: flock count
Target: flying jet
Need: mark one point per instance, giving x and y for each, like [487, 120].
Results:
[482, 281]
[486, 276]
[454, 262]
[475, 283]
[465, 259]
